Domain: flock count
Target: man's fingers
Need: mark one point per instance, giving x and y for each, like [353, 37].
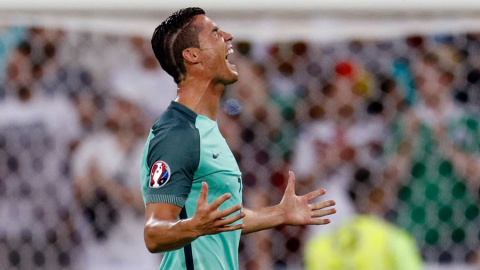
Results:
[218, 201]
[314, 194]
[203, 193]
[322, 213]
[228, 211]
[230, 220]
[231, 228]
[321, 205]
[291, 183]
[319, 221]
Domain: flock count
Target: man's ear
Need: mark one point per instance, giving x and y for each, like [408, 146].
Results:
[192, 55]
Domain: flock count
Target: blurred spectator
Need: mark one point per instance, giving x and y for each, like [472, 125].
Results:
[245, 121]
[338, 143]
[106, 170]
[90, 107]
[252, 88]
[340, 150]
[9, 38]
[65, 79]
[38, 225]
[45, 46]
[364, 242]
[145, 81]
[248, 103]
[388, 102]
[435, 168]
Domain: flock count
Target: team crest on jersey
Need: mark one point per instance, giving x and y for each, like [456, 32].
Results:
[160, 174]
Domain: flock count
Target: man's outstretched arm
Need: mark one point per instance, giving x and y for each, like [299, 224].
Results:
[292, 210]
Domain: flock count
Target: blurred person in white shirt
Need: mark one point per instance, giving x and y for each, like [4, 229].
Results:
[38, 227]
[106, 175]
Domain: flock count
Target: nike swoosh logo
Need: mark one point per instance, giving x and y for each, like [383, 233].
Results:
[215, 156]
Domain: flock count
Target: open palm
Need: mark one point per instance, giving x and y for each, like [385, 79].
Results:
[298, 210]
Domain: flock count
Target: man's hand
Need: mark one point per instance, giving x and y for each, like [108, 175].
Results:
[292, 210]
[209, 220]
[298, 210]
[163, 232]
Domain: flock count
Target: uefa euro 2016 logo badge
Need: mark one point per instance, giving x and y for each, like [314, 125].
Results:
[160, 174]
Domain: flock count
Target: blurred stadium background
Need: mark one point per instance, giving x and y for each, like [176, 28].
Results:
[376, 101]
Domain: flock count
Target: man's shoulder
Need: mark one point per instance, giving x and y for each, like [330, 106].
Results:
[173, 128]
[174, 120]
[174, 133]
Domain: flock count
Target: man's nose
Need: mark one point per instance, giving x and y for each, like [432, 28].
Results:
[227, 36]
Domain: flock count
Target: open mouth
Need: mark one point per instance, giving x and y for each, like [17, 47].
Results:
[232, 66]
[229, 52]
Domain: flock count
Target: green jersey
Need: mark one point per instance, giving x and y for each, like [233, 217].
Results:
[183, 150]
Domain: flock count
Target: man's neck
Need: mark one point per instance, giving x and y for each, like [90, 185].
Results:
[201, 96]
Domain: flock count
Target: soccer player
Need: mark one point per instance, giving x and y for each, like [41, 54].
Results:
[191, 182]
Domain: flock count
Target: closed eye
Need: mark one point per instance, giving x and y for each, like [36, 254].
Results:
[215, 31]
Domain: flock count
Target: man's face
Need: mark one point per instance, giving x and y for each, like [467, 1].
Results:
[429, 81]
[215, 46]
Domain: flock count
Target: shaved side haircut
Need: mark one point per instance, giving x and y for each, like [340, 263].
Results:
[174, 35]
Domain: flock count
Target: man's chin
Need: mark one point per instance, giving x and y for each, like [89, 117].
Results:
[228, 77]
[233, 80]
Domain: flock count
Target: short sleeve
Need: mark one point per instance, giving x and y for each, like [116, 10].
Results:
[178, 153]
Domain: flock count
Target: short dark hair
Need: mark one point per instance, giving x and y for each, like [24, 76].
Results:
[174, 35]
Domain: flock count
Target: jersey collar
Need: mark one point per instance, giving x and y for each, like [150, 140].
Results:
[183, 109]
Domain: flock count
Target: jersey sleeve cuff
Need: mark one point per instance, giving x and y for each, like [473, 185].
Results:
[161, 198]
